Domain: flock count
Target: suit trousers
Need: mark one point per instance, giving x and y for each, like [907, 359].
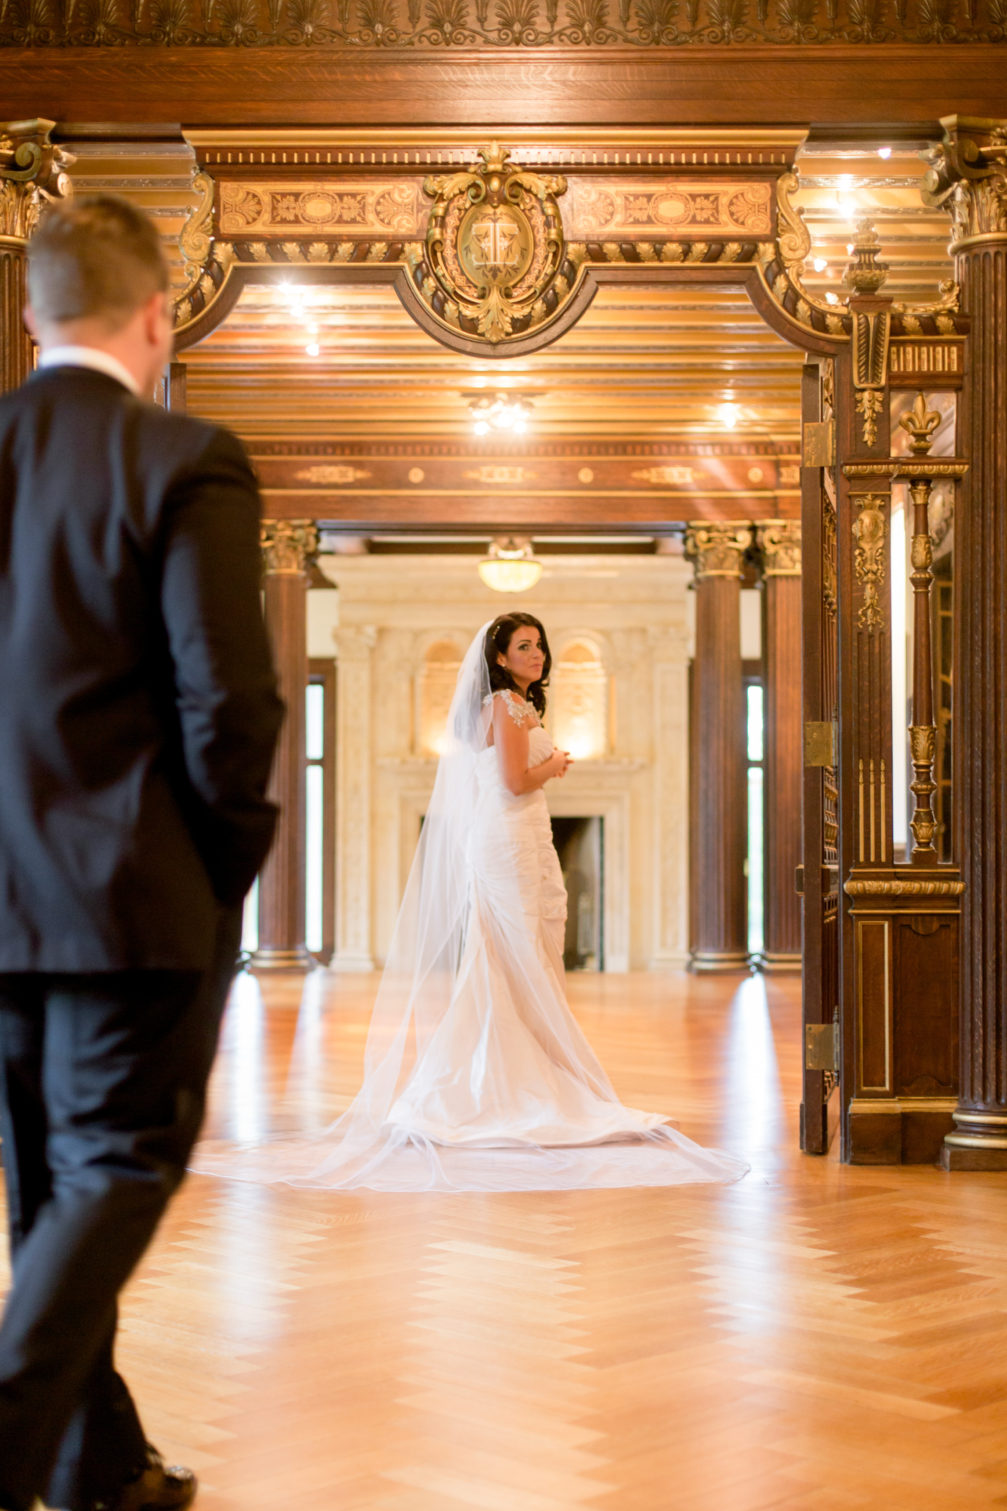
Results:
[102, 1091]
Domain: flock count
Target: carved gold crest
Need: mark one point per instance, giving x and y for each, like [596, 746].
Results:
[495, 240]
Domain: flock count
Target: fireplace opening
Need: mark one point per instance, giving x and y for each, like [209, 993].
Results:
[581, 849]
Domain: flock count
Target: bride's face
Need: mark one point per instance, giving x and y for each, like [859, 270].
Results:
[524, 658]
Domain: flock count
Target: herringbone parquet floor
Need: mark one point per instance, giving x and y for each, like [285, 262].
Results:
[815, 1338]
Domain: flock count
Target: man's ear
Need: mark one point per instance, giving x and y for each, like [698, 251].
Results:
[30, 322]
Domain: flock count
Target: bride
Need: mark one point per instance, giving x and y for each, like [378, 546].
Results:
[476, 1074]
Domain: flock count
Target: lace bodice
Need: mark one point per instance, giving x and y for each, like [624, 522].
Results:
[523, 713]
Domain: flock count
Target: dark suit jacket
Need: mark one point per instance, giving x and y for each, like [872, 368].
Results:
[138, 704]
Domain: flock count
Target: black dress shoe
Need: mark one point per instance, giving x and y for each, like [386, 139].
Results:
[160, 1487]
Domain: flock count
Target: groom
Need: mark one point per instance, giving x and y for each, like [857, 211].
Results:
[138, 716]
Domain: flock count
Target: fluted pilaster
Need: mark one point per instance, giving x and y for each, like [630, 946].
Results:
[780, 546]
[970, 178]
[288, 547]
[32, 171]
[719, 787]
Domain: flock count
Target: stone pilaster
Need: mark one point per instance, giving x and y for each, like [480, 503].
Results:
[354, 757]
[969, 177]
[288, 547]
[719, 935]
[32, 171]
[780, 546]
[669, 698]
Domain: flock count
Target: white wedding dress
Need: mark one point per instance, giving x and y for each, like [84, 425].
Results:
[477, 1075]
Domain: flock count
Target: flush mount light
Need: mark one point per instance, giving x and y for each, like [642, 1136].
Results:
[508, 413]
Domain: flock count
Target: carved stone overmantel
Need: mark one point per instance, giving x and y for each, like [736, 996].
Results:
[32, 172]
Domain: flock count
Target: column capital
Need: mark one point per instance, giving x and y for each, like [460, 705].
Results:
[289, 546]
[717, 549]
[779, 541]
[32, 172]
[968, 176]
[354, 642]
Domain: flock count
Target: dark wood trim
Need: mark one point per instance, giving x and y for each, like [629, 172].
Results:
[488, 89]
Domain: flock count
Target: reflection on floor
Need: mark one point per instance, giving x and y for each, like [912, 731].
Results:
[816, 1337]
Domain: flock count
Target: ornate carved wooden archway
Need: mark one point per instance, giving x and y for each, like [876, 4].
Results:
[369, 209]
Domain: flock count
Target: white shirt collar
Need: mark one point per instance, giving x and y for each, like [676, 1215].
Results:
[89, 356]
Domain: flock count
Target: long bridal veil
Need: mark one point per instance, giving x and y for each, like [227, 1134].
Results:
[471, 1010]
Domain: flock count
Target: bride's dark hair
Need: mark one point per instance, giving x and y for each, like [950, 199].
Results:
[497, 642]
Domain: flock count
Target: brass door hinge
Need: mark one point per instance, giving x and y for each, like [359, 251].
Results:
[821, 1046]
[819, 449]
[819, 742]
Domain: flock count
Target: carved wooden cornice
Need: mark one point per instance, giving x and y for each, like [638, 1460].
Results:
[969, 177]
[533, 25]
[32, 172]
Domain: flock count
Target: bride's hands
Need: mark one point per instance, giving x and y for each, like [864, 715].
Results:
[560, 761]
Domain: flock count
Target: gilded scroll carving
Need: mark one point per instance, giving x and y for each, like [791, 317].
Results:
[968, 176]
[780, 543]
[32, 172]
[289, 546]
[869, 534]
[717, 550]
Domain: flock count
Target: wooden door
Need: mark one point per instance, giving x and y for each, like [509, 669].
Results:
[821, 788]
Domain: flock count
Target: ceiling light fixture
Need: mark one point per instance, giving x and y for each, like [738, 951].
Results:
[505, 412]
[510, 566]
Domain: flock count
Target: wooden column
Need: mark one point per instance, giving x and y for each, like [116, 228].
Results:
[970, 178]
[31, 172]
[288, 546]
[780, 544]
[719, 940]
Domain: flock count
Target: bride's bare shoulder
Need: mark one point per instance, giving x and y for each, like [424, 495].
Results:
[522, 712]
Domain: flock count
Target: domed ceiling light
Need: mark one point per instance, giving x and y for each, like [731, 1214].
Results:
[510, 566]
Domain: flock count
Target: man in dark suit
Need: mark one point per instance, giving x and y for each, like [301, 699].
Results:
[138, 717]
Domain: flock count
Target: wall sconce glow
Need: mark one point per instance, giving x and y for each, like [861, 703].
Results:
[820, 265]
[312, 348]
[510, 566]
[831, 298]
[884, 152]
[508, 413]
[728, 415]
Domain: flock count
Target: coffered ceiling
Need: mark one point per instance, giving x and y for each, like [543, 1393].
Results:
[647, 366]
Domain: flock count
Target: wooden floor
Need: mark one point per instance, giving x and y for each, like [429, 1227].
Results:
[816, 1337]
